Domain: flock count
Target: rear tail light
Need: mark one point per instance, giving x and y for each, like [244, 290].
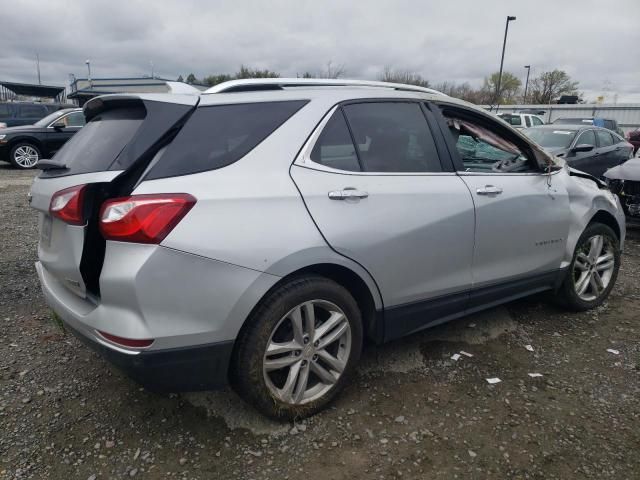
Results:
[67, 205]
[143, 218]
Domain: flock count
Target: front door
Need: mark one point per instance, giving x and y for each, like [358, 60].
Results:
[375, 186]
[57, 137]
[522, 213]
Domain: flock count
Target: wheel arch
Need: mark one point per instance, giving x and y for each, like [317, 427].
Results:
[606, 218]
[31, 140]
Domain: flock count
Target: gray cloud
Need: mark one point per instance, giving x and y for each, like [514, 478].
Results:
[594, 41]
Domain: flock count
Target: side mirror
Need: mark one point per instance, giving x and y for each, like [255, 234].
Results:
[583, 147]
[59, 125]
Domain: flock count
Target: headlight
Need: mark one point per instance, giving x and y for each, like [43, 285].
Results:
[2, 137]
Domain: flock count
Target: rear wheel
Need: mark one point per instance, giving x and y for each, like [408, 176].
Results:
[24, 155]
[593, 270]
[298, 349]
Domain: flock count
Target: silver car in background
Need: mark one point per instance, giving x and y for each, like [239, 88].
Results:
[259, 233]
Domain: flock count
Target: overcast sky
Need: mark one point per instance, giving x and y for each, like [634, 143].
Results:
[596, 41]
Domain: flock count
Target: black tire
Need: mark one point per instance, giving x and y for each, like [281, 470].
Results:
[567, 295]
[246, 372]
[15, 162]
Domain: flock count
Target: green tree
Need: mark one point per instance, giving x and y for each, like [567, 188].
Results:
[212, 80]
[248, 72]
[509, 87]
[549, 86]
[180, 79]
[191, 78]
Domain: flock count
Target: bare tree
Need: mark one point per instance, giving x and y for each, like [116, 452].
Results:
[332, 71]
[549, 86]
[403, 76]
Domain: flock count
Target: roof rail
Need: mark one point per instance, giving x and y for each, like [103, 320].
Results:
[254, 84]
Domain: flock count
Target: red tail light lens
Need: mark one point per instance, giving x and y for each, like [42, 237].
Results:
[67, 205]
[143, 218]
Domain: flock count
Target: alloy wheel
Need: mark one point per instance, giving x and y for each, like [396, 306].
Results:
[307, 352]
[593, 267]
[26, 156]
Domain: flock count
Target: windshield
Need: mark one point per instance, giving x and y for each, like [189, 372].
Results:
[44, 122]
[549, 138]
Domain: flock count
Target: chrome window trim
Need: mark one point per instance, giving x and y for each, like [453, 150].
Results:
[506, 174]
[64, 116]
[304, 157]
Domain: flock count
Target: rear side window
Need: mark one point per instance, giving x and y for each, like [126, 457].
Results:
[511, 119]
[5, 111]
[604, 138]
[334, 147]
[587, 138]
[536, 121]
[392, 137]
[220, 135]
[98, 143]
[610, 124]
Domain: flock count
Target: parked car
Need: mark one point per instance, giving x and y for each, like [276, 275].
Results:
[624, 181]
[24, 146]
[608, 123]
[26, 113]
[521, 120]
[257, 238]
[586, 148]
[633, 138]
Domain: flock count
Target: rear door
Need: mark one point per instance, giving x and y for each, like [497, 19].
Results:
[56, 137]
[29, 114]
[607, 155]
[122, 133]
[372, 179]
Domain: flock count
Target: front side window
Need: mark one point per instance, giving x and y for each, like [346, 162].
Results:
[604, 138]
[334, 147]
[536, 121]
[587, 138]
[485, 149]
[392, 137]
[75, 119]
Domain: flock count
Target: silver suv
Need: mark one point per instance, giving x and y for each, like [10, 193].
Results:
[259, 233]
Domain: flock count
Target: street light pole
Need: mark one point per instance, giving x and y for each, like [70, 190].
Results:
[526, 84]
[504, 45]
[89, 72]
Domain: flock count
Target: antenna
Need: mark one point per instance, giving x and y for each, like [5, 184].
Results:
[38, 67]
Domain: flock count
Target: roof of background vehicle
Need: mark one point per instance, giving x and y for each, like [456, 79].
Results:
[568, 126]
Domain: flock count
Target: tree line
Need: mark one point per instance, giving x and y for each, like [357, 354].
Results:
[545, 88]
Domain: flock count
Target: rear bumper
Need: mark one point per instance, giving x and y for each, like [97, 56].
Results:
[187, 369]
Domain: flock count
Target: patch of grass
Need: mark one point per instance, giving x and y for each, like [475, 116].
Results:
[57, 321]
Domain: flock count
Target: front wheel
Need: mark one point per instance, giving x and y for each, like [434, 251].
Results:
[24, 155]
[298, 349]
[593, 270]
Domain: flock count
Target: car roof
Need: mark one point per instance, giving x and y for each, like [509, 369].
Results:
[568, 126]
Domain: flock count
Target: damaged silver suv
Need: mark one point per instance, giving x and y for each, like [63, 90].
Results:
[257, 234]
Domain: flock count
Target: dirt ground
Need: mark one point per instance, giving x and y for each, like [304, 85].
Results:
[412, 412]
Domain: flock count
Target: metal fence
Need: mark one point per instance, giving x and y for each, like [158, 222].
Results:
[626, 114]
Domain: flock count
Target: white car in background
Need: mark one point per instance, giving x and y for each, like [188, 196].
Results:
[521, 120]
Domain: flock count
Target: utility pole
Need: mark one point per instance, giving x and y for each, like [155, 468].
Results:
[504, 45]
[526, 84]
[152, 72]
[89, 73]
[38, 67]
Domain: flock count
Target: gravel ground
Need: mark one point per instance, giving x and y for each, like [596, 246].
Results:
[412, 412]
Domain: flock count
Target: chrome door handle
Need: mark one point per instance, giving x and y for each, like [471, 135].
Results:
[347, 193]
[489, 190]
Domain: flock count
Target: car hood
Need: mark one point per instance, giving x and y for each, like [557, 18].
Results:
[629, 170]
[556, 150]
[20, 129]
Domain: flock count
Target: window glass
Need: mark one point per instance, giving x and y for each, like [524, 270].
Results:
[551, 138]
[95, 147]
[536, 121]
[483, 150]
[217, 136]
[32, 111]
[610, 124]
[393, 137]
[527, 120]
[334, 147]
[514, 120]
[604, 138]
[587, 138]
[75, 119]
[5, 111]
